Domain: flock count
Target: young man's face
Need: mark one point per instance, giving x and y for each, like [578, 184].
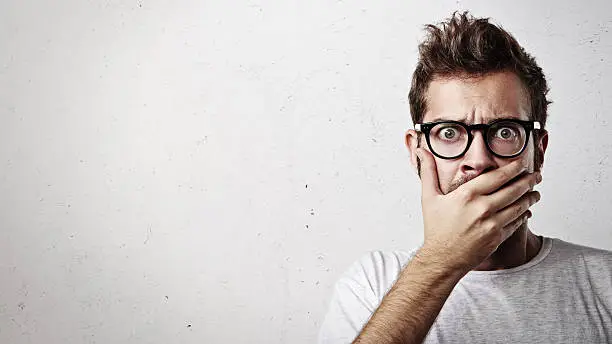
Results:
[475, 101]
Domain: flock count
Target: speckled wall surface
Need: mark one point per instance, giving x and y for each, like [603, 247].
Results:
[203, 171]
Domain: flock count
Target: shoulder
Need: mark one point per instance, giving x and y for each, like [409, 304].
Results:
[376, 271]
[591, 255]
[358, 292]
[593, 264]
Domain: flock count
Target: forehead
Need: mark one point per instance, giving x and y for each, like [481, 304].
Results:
[477, 99]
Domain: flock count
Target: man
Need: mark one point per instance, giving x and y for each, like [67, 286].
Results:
[478, 101]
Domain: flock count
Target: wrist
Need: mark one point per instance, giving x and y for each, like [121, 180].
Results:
[440, 260]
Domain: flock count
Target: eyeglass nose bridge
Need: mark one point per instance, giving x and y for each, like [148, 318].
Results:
[478, 127]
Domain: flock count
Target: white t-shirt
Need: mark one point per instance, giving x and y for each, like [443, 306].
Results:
[563, 295]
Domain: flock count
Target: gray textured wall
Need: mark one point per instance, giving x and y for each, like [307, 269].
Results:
[203, 171]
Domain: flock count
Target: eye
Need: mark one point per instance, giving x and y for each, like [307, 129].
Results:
[506, 133]
[448, 133]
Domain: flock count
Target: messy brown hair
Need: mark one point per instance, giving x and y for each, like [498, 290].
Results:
[466, 46]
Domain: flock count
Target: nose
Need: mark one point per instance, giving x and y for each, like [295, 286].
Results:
[478, 159]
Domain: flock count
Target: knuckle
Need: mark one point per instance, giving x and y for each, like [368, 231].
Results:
[500, 236]
[518, 211]
[467, 195]
[505, 175]
[521, 188]
[529, 201]
[502, 177]
[524, 206]
[534, 179]
[489, 226]
[519, 221]
[484, 210]
[520, 208]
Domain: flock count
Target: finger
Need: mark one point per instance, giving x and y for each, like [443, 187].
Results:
[516, 209]
[429, 173]
[489, 182]
[510, 228]
[512, 192]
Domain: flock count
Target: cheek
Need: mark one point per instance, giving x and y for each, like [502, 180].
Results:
[447, 173]
[529, 157]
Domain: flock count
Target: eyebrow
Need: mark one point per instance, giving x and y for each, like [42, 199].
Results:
[464, 119]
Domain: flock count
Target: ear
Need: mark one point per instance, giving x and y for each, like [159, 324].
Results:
[541, 145]
[412, 143]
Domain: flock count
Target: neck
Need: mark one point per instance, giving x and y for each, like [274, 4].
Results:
[517, 250]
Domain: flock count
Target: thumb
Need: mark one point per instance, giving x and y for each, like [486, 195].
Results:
[429, 173]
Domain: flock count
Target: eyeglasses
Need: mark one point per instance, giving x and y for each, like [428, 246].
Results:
[505, 138]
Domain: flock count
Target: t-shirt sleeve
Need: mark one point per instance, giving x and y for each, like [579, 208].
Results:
[357, 294]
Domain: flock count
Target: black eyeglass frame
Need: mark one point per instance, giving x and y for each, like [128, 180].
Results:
[529, 126]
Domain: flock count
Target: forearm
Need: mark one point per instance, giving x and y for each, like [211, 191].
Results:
[409, 309]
